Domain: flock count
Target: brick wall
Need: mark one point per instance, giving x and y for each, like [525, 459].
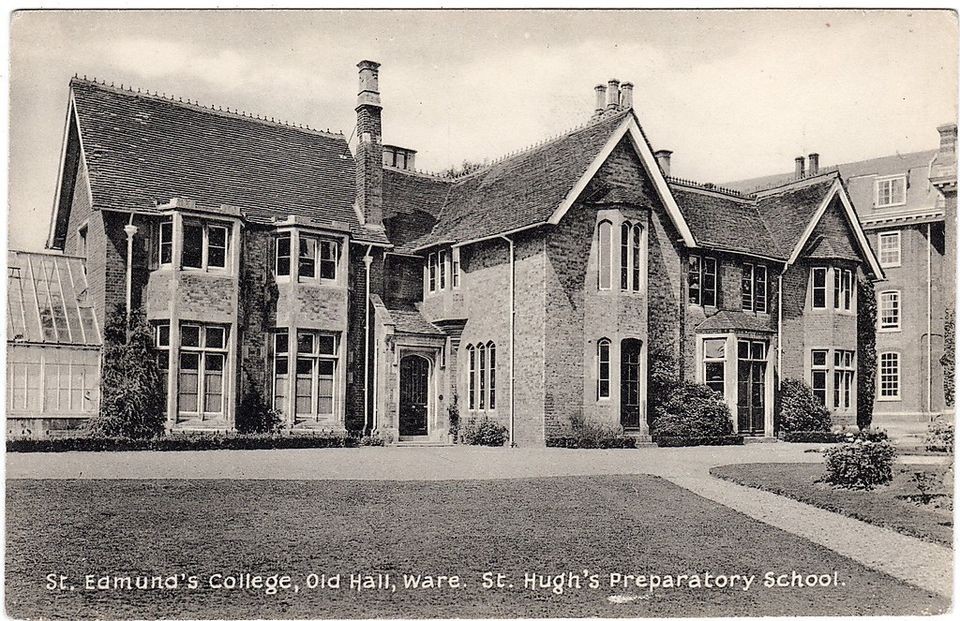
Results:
[355, 316]
[257, 313]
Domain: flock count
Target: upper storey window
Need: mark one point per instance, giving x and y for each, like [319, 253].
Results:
[891, 191]
[205, 244]
[841, 295]
[443, 270]
[889, 244]
[753, 287]
[702, 281]
[631, 258]
[317, 258]
[604, 260]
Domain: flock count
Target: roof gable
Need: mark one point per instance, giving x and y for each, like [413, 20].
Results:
[720, 221]
[141, 150]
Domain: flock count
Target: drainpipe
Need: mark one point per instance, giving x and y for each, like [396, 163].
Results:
[929, 327]
[367, 260]
[780, 327]
[130, 230]
[512, 314]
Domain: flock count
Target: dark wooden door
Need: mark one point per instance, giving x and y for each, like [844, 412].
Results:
[414, 391]
[631, 368]
[751, 385]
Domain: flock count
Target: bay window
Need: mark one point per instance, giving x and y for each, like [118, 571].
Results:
[316, 365]
[317, 258]
[203, 353]
[165, 245]
[842, 289]
[818, 374]
[204, 245]
[455, 271]
[714, 364]
[282, 255]
[818, 277]
[605, 248]
[843, 372]
[630, 257]
[281, 370]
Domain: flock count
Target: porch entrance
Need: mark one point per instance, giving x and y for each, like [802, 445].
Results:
[630, 378]
[751, 385]
[414, 395]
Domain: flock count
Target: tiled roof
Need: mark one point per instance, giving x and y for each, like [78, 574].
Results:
[411, 204]
[887, 165]
[725, 222]
[726, 321]
[522, 190]
[788, 212]
[410, 321]
[142, 150]
[47, 300]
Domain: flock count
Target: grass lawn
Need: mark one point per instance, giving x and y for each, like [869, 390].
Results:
[883, 506]
[601, 524]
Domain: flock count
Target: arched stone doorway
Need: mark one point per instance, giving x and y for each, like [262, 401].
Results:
[414, 395]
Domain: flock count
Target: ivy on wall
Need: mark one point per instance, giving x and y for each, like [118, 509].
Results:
[947, 360]
[866, 351]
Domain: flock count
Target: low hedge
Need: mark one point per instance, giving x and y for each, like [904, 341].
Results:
[602, 443]
[180, 442]
[821, 437]
[674, 441]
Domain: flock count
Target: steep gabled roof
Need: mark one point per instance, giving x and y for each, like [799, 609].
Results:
[788, 211]
[411, 204]
[725, 222]
[47, 300]
[141, 150]
[537, 186]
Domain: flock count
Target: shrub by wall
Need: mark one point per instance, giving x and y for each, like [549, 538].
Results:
[939, 438]
[592, 443]
[180, 442]
[824, 437]
[860, 464]
[692, 411]
[799, 409]
[675, 441]
[483, 432]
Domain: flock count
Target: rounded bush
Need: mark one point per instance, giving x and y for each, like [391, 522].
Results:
[692, 410]
[939, 438]
[484, 432]
[859, 464]
[800, 410]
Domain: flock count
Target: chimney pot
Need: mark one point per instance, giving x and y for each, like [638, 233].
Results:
[663, 159]
[613, 95]
[601, 91]
[799, 161]
[626, 96]
[814, 163]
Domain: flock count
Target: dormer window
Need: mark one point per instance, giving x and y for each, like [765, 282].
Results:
[891, 191]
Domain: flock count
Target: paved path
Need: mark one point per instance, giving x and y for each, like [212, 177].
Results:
[926, 565]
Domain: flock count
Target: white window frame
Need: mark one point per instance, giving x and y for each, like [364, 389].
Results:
[431, 273]
[813, 287]
[321, 242]
[751, 273]
[472, 378]
[842, 289]
[895, 393]
[205, 226]
[165, 240]
[897, 250]
[844, 379]
[316, 356]
[722, 360]
[882, 297]
[605, 263]
[442, 265]
[631, 256]
[288, 236]
[279, 379]
[890, 181]
[455, 267]
[701, 272]
[821, 369]
[203, 350]
[604, 382]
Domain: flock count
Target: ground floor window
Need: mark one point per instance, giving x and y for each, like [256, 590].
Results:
[890, 375]
[843, 371]
[603, 369]
[482, 376]
[52, 381]
[162, 346]
[818, 374]
[315, 381]
[200, 386]
[714, 364]
[281, 370]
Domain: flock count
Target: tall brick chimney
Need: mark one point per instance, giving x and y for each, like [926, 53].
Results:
[369, 145]
[626, 96]
[601, 91]
[814, 163]
[613, 95]
[799, 161]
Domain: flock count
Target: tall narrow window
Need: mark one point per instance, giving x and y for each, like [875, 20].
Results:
[714, 363]
[481, 392]
[625, 256]
[432, 269]
[455, 272]
[604, 276]
[818, 374]
[709, 281]
[694, 285]
[843, 371]
[760, 288]
[442, 268]
[889, 244]
[818, 276]
[329, 250]
[746, 287]
[472, 379]
[282, 262]
[192, 244]
[702, 281]
[492, 382]
[603, 369]
[890, 375]
[281, 370]
[890, 310]
[162, 344]
[307, 257]
[637, 258]
[166, 243]
[842, 280]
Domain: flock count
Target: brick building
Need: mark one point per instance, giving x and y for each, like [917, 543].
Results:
[905, 213]
[360, 294]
